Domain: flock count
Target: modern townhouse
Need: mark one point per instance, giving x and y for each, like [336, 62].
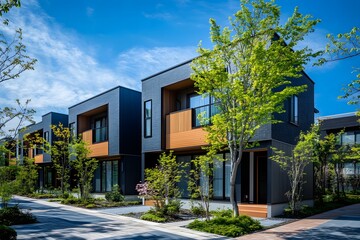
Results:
[348, 123]
[111, 125]
[47, 175]
[170, 106]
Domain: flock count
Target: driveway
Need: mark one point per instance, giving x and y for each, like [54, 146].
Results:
[57, 221]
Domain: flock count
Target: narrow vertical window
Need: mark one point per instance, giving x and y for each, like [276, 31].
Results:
[72, 130]
[148, 118]
[294, 110]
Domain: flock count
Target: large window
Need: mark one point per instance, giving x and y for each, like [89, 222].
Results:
[100, 130]
[109, 175]
[206, 106]
[148, 118]
[294, 109]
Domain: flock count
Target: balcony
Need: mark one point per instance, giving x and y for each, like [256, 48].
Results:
[180, 133]
[39, 158]
[97, 149]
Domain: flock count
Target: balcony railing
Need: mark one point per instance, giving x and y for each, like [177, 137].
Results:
[180, 132]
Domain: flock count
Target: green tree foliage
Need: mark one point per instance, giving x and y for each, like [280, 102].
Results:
[60, 154]
[303, 154]
[84, 165]
[325, 147]
[247, 71]
[163, 179]
[340, 47]
[8, 184]
[339, 158]
[27, 177]
[199, 184]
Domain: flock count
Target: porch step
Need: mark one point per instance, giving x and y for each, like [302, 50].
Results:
[253, 210]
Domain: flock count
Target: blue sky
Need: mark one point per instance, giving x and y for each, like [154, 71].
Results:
[85, 47]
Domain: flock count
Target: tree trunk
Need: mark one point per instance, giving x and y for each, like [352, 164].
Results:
[233, 200]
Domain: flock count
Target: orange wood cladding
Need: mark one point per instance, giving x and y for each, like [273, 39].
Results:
[179, 131]
[97, 149]
[87, 136]
[39, 158]
[253, 210]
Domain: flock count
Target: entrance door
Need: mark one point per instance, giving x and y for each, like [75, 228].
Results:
[254, 178]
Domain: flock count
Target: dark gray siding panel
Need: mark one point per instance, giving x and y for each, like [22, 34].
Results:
[151, 89]
[130, 122]
[130, 174]
[339, 123]
[110, 98]
[286, 131]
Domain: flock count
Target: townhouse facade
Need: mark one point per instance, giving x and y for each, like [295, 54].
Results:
[111, 123]
[170, 106]
[47, 175]
[348, 124]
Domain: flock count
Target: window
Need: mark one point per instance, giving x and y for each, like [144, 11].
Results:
[47, 140]
[46, 136]
[218, 177]
[148, 118]
[294, 110]
[100, 130]
[72, 130]
[348, 138]
[202, 105]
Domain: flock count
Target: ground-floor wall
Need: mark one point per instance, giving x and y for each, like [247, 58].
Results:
[124, 171]
[260, 180]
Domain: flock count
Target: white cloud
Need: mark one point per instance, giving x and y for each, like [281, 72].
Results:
[66, 73]
[89, 11]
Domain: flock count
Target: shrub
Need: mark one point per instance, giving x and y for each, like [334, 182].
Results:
[90, 205]
[222, 213]
[7, 233]
[71, 200]
[13, 216]
[197, 210]
[172, 208]
[153, 217]
[115, 195]
[230, 227]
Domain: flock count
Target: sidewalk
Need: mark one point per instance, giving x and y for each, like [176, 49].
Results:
[335, 224]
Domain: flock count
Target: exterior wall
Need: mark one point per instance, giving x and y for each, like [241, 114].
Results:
[48, 119]
[110, 98]
[306, 114]
[151, 90]
[130, 122]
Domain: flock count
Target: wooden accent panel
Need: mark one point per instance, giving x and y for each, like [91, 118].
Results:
[87, 136]
[39, 158]
[179, 131]
[99, 149]
[253, 210]
[83, 123]
[30, 153]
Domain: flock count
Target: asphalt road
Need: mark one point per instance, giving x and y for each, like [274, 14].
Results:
[57, 221]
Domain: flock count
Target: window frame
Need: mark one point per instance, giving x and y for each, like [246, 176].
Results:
[294, 110]
[212, 102]
[146, 118]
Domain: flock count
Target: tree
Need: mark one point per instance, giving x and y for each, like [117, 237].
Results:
[84, 165]
[60, 154]
[341, 47]
[303, 154]
[248, 72]
[339, 158]
[199, 181]
[27, 177]
[161, 181]
[8, 184]
[325, 147]
[13, 62]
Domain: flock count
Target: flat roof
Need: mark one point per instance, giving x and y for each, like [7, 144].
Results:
[102, 94]
[341, 115]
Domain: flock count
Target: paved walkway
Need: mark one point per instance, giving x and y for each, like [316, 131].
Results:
[341, 223]
[57, 221]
